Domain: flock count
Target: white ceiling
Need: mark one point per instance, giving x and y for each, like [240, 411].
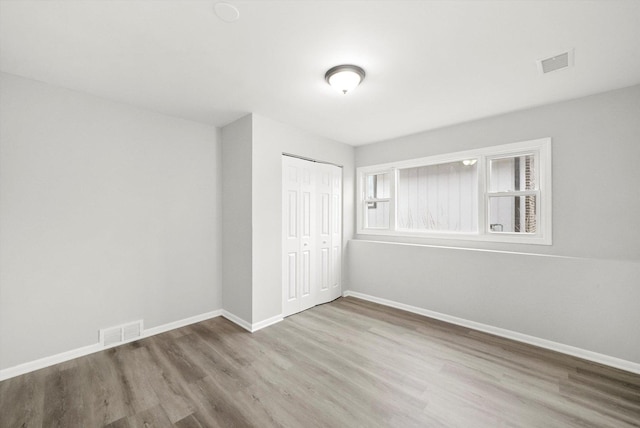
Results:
[428, 63]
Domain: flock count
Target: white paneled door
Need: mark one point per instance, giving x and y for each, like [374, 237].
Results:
[312, 233]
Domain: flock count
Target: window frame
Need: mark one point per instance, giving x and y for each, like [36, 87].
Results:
[541, 148]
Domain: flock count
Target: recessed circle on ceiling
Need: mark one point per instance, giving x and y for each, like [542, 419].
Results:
[227, 12]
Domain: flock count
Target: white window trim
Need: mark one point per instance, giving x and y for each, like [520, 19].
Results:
[543, 236]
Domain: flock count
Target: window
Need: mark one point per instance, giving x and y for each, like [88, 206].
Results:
[440, 197]
[512, 194]
[500, 193]
[377, 200]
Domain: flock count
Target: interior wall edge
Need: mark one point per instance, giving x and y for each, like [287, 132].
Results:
[584, 354]
[237, 320]
[266, 323]
[251, 327]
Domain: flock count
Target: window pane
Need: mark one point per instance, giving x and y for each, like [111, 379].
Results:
[512, 174]
[512, 214]
[377, 215]
[378, 186]
[439, 197]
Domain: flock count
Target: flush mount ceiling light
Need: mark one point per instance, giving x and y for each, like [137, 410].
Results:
[344, 78]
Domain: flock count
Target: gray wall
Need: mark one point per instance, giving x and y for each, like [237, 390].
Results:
[596, 196]
[252, 209]
[108, 214]
[270, 140]
[237, 143]
[587, 297]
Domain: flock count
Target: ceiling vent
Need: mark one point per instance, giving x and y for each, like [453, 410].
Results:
[556, 62]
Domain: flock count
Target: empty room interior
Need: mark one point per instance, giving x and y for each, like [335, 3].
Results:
[319, 213]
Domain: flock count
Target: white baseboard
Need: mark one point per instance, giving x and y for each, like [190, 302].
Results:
[513, 335]
[90, 349]
[252, 328]
[48, 361]
[237, 320]
[181, 323]
[266, 323]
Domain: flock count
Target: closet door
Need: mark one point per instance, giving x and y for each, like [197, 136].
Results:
[298, 226]
[312, 233]
[324, 228]
[329, 236]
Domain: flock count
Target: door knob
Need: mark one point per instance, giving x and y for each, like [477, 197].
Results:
[324, 242]
[305, 244]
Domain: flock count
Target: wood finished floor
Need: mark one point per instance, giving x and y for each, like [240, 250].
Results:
[349, 363]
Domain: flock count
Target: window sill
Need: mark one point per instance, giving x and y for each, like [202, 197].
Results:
[504, 237]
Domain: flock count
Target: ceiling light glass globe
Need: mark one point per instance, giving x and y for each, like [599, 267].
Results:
[344, 81]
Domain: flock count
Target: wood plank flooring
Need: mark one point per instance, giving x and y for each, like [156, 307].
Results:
[349, 363]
